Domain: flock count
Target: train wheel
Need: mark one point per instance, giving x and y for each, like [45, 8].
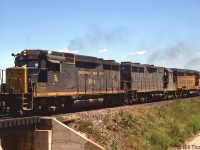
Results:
[140, 100]
[69, 105]
[106, 101]
[2, 107]
[175, 96]
[130, 102]
[20, 113]
[16, 113]
[45, 110]
[126, 101]
[60, 108]
[37, 110]
[166, 96]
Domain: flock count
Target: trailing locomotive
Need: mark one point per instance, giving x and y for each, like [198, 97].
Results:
[146, 82]
[46, 81]
[187, 82]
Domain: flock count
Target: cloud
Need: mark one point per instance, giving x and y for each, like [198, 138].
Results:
[102, 51]
[198, 54]
[137, 53]
[68, 51]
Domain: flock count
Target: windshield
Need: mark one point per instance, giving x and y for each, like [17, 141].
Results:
[26, 61]
[29, 63]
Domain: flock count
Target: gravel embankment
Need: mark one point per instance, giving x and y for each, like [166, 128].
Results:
[99, 114]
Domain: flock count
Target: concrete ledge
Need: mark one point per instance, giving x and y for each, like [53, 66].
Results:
[12, 122]
[66, 138]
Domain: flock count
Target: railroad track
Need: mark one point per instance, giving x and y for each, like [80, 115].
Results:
[7, 116]
[9, 121]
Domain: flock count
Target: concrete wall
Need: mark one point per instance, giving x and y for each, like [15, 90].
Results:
[0, 145]
[21, 140]
[50, 134]
[65, 138]
[27, 140]
[42, 140]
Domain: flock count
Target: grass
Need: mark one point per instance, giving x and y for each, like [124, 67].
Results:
[152, 129]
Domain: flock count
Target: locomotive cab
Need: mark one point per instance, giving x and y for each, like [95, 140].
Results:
[19, 78]
[168, 80]
[19, 81]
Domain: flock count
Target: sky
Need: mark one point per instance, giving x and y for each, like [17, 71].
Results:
[160, 32]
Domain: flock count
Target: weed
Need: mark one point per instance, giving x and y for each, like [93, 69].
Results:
[107, 119]
[111, 127]
[127, 119]
[114, 145]
[84, 125]
[87, 126]
[193, 124]
[160, 140]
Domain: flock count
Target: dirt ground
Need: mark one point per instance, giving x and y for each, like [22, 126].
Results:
[193, 143]
[190, 144]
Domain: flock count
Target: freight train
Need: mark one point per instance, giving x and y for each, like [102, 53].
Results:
[45, 81]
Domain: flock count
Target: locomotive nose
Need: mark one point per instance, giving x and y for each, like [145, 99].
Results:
[16, 81]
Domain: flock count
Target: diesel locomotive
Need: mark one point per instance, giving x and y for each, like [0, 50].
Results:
[43, 81]
[49, 81]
